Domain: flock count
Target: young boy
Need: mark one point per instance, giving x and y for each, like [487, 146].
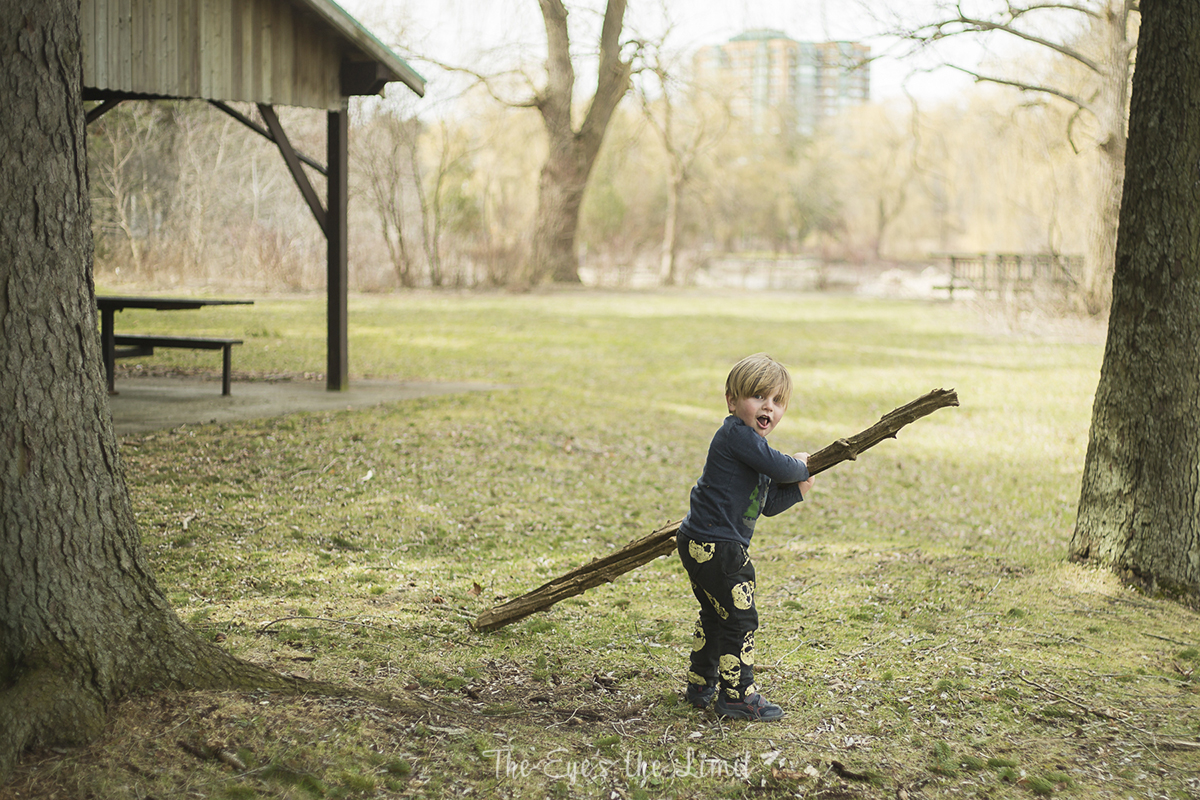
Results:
[743, 477]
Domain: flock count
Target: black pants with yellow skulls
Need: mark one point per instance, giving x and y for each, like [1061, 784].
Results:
[722, 578]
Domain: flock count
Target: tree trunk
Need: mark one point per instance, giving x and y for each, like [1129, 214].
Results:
[1139, 508]
[572, 153]
[82, 621]
[668, 271]
[560, 195]
[1111, 108]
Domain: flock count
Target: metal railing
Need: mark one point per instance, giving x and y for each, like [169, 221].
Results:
[1002, 274]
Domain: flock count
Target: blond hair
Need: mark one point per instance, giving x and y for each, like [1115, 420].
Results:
[759, 374]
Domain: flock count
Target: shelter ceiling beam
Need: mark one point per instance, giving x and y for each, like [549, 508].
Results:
[364, 77]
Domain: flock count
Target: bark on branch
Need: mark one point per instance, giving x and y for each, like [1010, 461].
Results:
[662, 541]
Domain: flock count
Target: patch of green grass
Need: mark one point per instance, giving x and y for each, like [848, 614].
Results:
[1041, 786]
[287, 776]
[1058, 711]
[398, 767]
[356, 782]
[1059, 778]
[972, 763]
[1008, 774]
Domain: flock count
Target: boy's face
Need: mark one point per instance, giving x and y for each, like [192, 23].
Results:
[761, 412]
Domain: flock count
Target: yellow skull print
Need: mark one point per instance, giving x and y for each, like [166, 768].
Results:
[698, 640]
[743, 595]
[722, 613]
[701, 551]
[731, 670]
[748, 648]
[698, 680]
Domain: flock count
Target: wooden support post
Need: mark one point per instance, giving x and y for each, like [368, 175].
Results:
[337, 375]
[662, 541]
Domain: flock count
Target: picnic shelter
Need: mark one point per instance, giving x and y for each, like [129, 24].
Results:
[304, 53]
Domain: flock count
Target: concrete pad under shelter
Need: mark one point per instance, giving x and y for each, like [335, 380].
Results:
[148, 404]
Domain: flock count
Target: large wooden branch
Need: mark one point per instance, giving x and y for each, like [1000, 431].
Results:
[662, 541]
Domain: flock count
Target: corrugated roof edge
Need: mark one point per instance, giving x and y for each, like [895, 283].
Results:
[362, 38]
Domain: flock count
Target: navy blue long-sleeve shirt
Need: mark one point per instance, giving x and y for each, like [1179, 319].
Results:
[743, 477]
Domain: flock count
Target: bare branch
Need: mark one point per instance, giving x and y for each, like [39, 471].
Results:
[1071, 130]
[971, 25]
[555, 101]
[1027, 87]
[613, 79]
[1086, 10]
[488, 83]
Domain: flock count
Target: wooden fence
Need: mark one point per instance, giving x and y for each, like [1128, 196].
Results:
[1004, 274]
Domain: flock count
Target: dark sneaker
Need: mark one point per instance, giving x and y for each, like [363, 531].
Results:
[700, 696]
[753, 707]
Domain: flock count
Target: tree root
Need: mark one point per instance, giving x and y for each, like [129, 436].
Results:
[46, 707]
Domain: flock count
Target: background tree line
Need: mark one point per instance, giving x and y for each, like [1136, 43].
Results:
[448, 196]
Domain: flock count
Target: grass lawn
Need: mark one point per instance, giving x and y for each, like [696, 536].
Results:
[920, 624]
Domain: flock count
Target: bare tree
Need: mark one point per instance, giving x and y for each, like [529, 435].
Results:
[452, 155]
[1100, 44]
[873, 154]
[387, 153]
[686, 135]
[1137, 508]
[572, 150]
[127, 139]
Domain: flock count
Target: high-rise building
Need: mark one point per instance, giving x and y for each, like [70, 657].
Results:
[777, 82]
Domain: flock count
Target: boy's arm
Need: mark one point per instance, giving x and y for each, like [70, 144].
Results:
[786, 495]
[754, 452]
[806, 484]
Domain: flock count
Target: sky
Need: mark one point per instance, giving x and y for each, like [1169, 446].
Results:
[467, 31]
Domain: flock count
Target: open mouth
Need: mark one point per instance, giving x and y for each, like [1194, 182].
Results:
[764, 421]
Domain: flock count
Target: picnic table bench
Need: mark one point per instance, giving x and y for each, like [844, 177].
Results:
[129, 345]
[134, 345]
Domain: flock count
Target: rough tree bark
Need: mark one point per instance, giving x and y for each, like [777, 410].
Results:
[82, 621]
[572, 152]
[662, 541]
[1139, 507]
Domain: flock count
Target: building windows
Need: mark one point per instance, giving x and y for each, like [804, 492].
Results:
[771, 74]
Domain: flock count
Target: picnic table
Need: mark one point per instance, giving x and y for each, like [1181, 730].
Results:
[114, 345]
